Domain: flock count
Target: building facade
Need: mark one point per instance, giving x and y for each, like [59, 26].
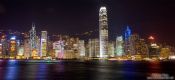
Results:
[43, 47]
[103, 32]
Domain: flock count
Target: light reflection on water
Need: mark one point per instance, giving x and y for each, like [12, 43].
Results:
[42, 71]
[11, 70]
[92, 70]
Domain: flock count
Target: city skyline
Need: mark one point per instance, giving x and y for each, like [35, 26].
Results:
[152, 18]
[87, 39]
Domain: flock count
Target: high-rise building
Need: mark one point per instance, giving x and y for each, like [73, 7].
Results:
[133, 43]
[154, 50]
[33, 40]
[38, 46]
[137, 47]
[27, 47]
[4, 46]
[127, 35]
[111, 49]
[93, 47]
[20, 50]
[13, 47]
[103, 32]
[119, 46]
[58, 46]
[81, 48]
[43, 46]
[1, 50]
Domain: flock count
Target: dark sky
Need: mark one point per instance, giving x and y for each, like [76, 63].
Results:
[146, 17]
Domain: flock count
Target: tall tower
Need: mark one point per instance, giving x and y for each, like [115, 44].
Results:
[127, 43]
[103, 32]
[33, 39]
[43, 43]
[127, 33]
[119, 46]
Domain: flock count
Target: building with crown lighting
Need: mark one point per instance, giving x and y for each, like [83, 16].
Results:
[127, 35]
[103, 32]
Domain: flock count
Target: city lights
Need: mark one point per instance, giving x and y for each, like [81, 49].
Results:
[87, 39]
[41, 45]
[127, 47]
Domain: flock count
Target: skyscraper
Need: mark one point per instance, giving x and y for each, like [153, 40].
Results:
[127, 35]
[111, 49]
[103, 32]
[43, 43]
[33, 38]
[58, 47]
[119, 46]
[93, 47]
[81, 44]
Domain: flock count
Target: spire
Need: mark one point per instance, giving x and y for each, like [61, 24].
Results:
[33, 25]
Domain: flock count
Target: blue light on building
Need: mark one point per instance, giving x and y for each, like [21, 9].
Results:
[127, 33]
[13, 38]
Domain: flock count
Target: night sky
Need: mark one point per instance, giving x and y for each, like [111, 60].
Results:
[146, 17]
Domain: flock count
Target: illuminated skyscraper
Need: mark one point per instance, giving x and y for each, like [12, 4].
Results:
[103, 32]
[119, 46]
[58, 47]
[127, 35]
[4, 46]
[43, 43]
[93, 47]
[111, 49]
[81, 48]
[33, 39]
[13, 46]
[27, 48]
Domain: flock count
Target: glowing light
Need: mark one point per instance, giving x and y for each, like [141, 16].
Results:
[13, 38]
[151, 38]
[154, 44]
[11, 72]
[12, 61]
[127, 33]
[102, 8]
[172, 57]
[3, 36]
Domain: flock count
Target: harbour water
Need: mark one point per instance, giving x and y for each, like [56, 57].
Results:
[86, 70]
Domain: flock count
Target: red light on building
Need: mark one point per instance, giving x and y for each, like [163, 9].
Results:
[3, 36]
[151, 38]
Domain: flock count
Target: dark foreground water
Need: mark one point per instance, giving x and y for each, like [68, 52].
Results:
[85, 70]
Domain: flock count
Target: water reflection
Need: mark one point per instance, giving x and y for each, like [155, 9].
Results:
[11, 70]
[42, 71]
[91, 70]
